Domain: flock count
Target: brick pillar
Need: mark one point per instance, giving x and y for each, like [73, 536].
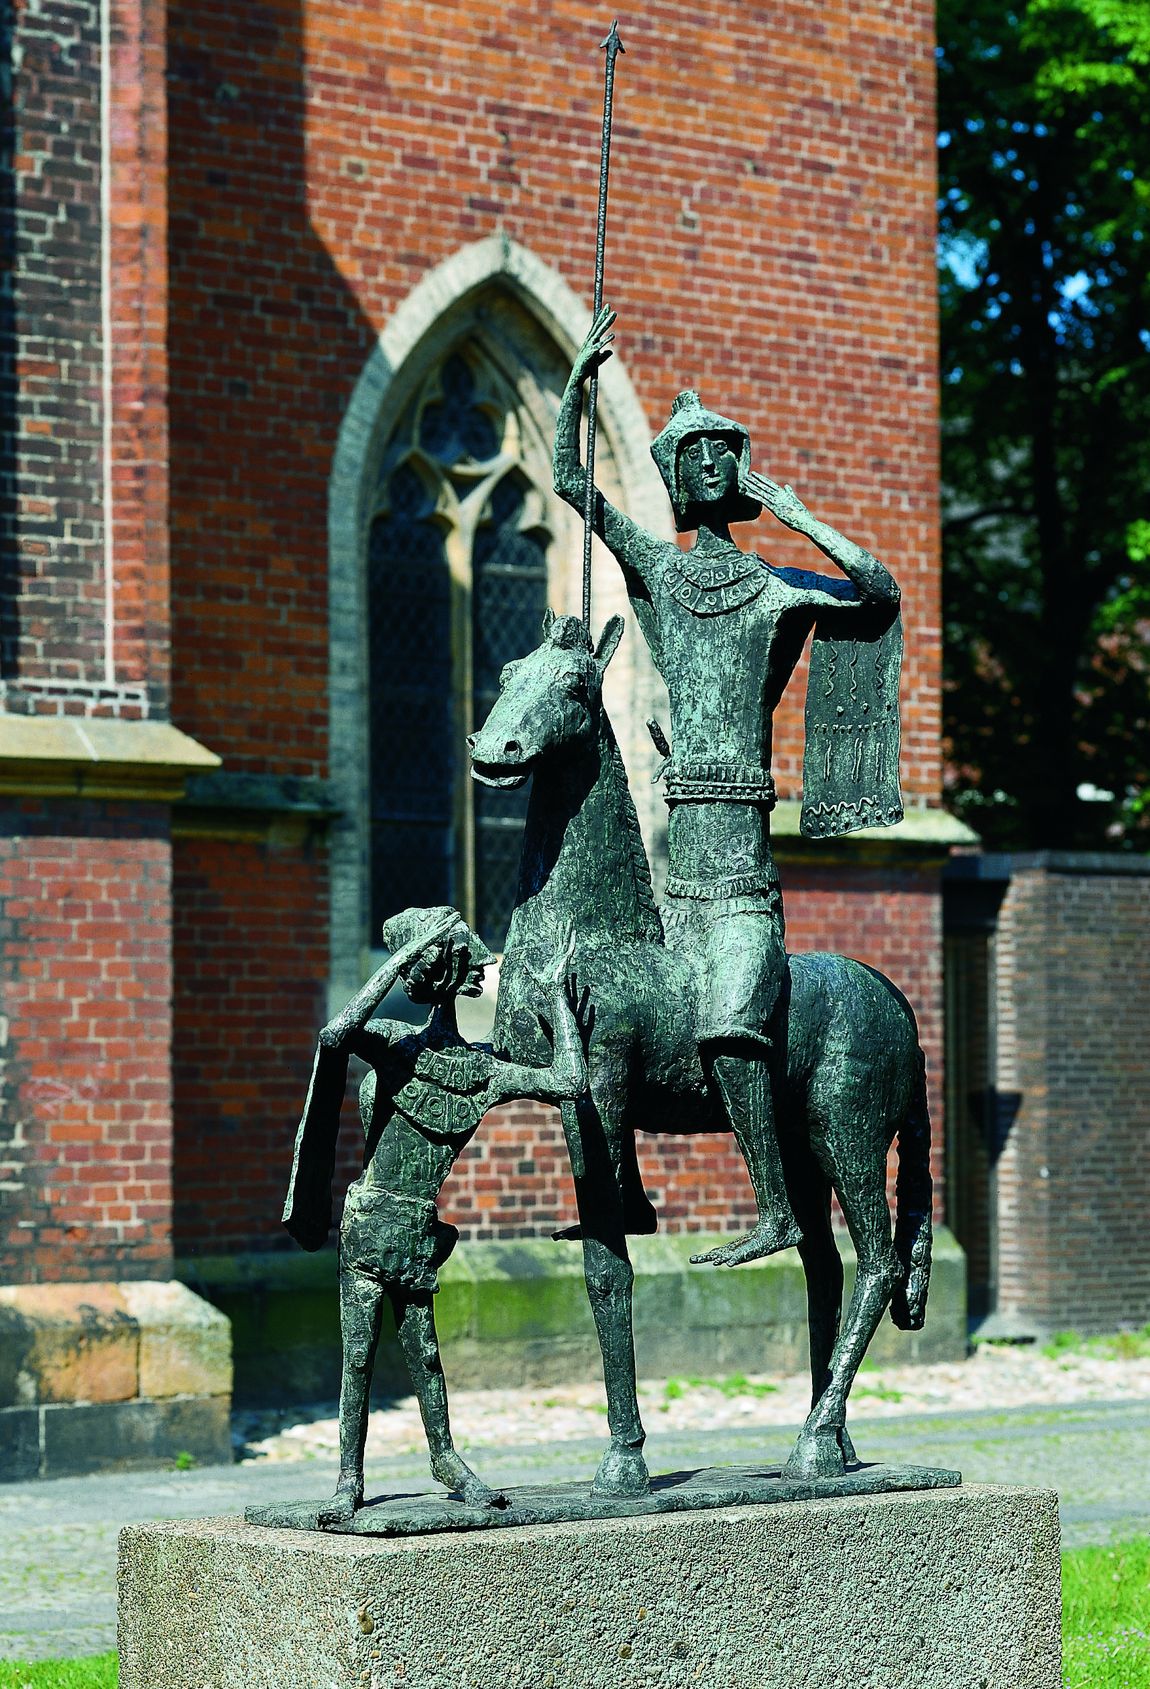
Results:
[89, 767]
[1072, 980]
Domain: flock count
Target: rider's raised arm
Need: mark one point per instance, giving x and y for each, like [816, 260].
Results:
[868, 581]
[624, 538]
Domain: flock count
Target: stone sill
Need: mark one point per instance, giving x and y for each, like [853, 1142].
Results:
[97, 757]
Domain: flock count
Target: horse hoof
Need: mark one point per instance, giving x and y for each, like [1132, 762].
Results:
[816, 1454]
[622, 1474]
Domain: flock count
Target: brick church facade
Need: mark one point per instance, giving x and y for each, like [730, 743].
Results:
[294, 298]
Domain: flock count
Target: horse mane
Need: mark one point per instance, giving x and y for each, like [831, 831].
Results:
[651, 929]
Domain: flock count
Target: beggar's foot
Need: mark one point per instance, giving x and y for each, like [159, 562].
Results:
[767, 1238]
[343, 1506]
[453, 1471]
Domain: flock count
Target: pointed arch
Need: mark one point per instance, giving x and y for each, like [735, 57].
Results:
[503, 311]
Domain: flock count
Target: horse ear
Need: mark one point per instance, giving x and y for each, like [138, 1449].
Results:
[548, 621]
[609, 641]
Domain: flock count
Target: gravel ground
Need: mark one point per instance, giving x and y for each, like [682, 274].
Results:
[996, 1376]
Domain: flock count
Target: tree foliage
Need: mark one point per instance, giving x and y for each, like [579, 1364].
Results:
[1045, 293]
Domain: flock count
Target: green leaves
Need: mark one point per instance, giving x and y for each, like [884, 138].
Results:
[1044, 263]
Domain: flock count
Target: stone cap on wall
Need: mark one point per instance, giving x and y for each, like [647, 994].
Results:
[97, 757]
[1003, 865]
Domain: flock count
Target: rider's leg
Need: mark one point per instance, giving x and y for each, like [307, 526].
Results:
[740, 1074]
[745, 963]
[415, 1323]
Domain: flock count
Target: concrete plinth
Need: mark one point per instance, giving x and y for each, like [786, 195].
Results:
[938, 1589]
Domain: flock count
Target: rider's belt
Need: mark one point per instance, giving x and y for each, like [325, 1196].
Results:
[719, 782]
[735, 885]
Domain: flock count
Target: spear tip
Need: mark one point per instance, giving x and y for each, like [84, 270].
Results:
[612, 42]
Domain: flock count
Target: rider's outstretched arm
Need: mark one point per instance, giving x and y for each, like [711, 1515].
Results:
[625, 539]
[873, 583]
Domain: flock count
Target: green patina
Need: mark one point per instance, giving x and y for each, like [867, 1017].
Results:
[690, 1017]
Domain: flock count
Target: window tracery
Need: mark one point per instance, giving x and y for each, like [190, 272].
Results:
[457, 585]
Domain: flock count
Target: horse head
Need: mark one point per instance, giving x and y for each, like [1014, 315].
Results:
[548, 701]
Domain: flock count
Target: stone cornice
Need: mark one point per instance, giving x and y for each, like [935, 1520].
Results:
[97, 757]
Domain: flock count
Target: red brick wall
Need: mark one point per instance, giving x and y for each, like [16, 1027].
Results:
[1072, 962]
[771, 241]
[85, 899]
[80, 635]
[85, 1116]
[250, 954]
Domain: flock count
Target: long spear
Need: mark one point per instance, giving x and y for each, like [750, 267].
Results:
[613, 47]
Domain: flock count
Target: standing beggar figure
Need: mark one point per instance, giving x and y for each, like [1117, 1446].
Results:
[420, 1105]
[726, 630]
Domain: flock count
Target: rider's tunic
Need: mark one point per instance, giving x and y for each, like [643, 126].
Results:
[724, 631]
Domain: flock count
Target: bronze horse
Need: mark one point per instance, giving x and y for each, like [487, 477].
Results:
[854, 1077]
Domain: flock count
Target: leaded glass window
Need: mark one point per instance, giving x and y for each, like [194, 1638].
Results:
[457, 583]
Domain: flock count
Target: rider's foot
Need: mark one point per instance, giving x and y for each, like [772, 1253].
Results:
[639, 1220]
[622, 1472]
[768, 1237]
[453, 1471]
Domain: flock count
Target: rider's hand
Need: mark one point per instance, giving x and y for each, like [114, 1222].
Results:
[596, 349]
[781, 501]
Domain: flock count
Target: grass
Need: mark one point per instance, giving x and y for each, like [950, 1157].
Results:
[1106, 1616]
[99, 1672]
[738, 1384]
[1115, 1345]
[1105, 1627]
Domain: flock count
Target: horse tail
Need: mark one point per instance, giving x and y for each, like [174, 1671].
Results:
[912, 1230]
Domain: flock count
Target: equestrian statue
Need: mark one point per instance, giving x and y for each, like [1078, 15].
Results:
[698, 1020]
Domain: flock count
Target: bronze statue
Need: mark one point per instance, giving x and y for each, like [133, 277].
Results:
[420, 1106]
[692, 1018]
[850, 1070]
[725, 631]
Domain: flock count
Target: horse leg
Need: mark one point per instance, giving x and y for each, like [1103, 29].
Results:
[609, 1278]
[823, 1448]
[823, 1267]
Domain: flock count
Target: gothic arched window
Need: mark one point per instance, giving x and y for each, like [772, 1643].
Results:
[457, 585]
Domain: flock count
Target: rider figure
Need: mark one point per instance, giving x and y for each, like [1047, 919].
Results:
[725, 630]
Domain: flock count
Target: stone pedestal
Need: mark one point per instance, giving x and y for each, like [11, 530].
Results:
[937, 1589]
